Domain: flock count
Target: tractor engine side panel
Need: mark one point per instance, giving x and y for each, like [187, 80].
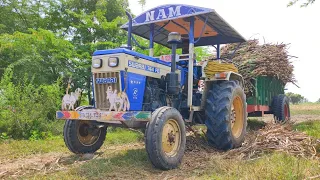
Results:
[134, 86]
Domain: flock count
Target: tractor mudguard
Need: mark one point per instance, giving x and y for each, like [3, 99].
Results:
[229, 76]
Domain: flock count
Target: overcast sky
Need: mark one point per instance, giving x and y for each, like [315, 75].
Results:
[276, 22]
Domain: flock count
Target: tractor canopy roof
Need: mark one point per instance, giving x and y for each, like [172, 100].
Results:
[208, 25]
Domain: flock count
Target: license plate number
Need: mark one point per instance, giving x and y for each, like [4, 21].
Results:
[108, 80]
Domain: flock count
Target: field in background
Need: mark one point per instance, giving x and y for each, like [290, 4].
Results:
[305, 109]
[123, 157]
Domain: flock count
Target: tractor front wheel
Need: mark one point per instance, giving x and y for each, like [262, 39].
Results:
[83, 136]
[226, 115]
[165, 138]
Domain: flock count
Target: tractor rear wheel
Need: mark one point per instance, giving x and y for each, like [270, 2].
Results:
[165, 138]
[226, 115]
[83, 136]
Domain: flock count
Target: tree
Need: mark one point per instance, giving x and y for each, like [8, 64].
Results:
[20, 15]
[41, 41]
[296, 98]
[92, 25]
[38, 52]
[142, 4]
[305, 4]
[201, 52]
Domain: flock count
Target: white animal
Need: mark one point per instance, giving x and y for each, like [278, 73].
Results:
[112, 97]
[117, 98]
[65, 102]
[126, 103]
[73, 99]
[69, 100]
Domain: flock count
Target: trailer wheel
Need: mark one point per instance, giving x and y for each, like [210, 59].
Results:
[275, 108]
[226, 115]
[165, 138]
[283, 108]
[83, 136]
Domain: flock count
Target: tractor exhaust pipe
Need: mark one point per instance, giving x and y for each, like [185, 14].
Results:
[172, 77]
[129, 30]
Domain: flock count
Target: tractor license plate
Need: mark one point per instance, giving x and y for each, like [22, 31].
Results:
[108, 80]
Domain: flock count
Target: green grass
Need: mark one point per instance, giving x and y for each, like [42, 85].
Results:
[126, 164]
[122, 136]
[12, 149]
[134, 164]
[134, 161]
[21, 148]
[131, 162]
[275, 166]
[312, 128]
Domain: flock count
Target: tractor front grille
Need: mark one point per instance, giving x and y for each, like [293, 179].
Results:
[101, 89]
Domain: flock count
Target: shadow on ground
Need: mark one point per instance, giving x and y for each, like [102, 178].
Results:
[74, 158]
[255, 125]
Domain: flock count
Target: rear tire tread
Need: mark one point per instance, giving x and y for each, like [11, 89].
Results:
[282, 100]
[217, 110]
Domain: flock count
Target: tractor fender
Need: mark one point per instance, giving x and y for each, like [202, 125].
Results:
[235, 76]
[228, 76]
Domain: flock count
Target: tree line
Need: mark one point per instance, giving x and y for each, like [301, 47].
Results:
[45, 43]
[42, 45]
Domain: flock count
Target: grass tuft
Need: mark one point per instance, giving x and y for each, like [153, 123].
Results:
[275, 166]
[20, 148]
[122, 136]
[128, 163]
[312, 128]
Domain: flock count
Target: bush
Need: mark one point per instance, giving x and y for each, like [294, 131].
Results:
[27, 111]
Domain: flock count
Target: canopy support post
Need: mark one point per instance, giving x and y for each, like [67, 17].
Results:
[129, 30]
[151, 52]
[190, 66]
[218, 51]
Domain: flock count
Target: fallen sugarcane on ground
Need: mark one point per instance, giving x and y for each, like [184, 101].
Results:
[271, 138]
[254, 60]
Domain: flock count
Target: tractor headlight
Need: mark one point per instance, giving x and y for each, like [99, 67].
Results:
[113, 62]
[97, 63]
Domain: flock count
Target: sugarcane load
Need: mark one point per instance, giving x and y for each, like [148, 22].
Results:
[253, 59]
[164, 96]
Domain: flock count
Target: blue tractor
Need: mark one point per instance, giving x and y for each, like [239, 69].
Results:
[162, 94]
